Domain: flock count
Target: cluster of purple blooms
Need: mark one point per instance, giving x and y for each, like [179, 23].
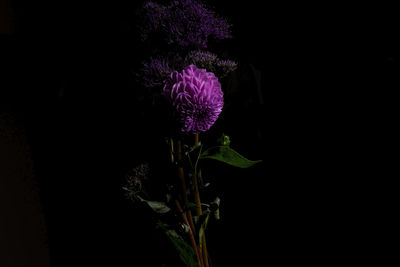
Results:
[187, 23]
[189, 77]
[154, 71]
[157, 69]
[210, 62]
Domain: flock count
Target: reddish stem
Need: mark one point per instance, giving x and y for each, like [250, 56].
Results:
[198, 204]
[184, 188]
[192, 239]
[185, 198]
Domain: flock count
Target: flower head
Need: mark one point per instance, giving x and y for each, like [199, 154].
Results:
[187, 23]
[197, 96]
[154, 71]
[211, 62]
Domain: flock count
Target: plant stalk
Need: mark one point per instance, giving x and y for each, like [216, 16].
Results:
[192, 239]
[195, 183]
[184, 188]
[198, 208]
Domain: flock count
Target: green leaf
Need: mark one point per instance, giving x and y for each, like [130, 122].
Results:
[186, 252]
[159, 207]
[228, 155]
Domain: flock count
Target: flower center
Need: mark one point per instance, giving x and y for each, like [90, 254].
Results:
[200, 113]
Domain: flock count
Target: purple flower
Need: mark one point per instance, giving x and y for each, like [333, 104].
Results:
[151, 16]
[197, 96]
[184, 22]
[155, 71]
[210, 61]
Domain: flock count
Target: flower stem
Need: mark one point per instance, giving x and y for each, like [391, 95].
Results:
[172, 158]
[184, 188]
[192, 239]
[198, 204]
[197, 195]
[195, 183]
[185, 198]
[204, 249]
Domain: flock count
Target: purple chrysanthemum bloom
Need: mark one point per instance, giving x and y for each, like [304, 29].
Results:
[197, 96]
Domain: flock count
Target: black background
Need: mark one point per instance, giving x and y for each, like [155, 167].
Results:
[325, 131]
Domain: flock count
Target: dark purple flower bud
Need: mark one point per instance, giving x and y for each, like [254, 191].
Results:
[135, 179]
[225, 66]
[197, 96]
[155, 71]
[210, 62]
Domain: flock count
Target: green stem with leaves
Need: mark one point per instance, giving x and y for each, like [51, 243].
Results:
[188, 216]
[199, 211]
[191, 234]
[184, 188]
